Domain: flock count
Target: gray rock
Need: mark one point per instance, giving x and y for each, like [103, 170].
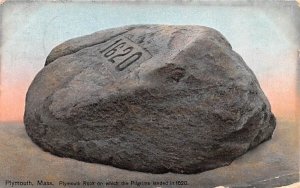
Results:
[151, 98]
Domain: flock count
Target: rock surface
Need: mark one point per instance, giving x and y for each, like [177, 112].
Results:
[149, 98]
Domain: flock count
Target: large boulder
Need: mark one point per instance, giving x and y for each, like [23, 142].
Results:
[151, 98]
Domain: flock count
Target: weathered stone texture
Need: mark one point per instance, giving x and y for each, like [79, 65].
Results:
[150, 98]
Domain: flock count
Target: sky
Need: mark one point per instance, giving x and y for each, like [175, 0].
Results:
[267, 37]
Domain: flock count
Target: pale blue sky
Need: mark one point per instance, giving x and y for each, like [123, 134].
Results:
[31, 30]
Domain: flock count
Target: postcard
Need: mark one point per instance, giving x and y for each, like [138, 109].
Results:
[158, 94]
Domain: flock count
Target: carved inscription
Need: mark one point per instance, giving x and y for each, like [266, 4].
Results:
[123, 53]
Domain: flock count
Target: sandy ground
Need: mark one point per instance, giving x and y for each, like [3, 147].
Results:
[272, 164]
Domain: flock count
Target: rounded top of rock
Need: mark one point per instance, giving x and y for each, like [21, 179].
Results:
[174, 36]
